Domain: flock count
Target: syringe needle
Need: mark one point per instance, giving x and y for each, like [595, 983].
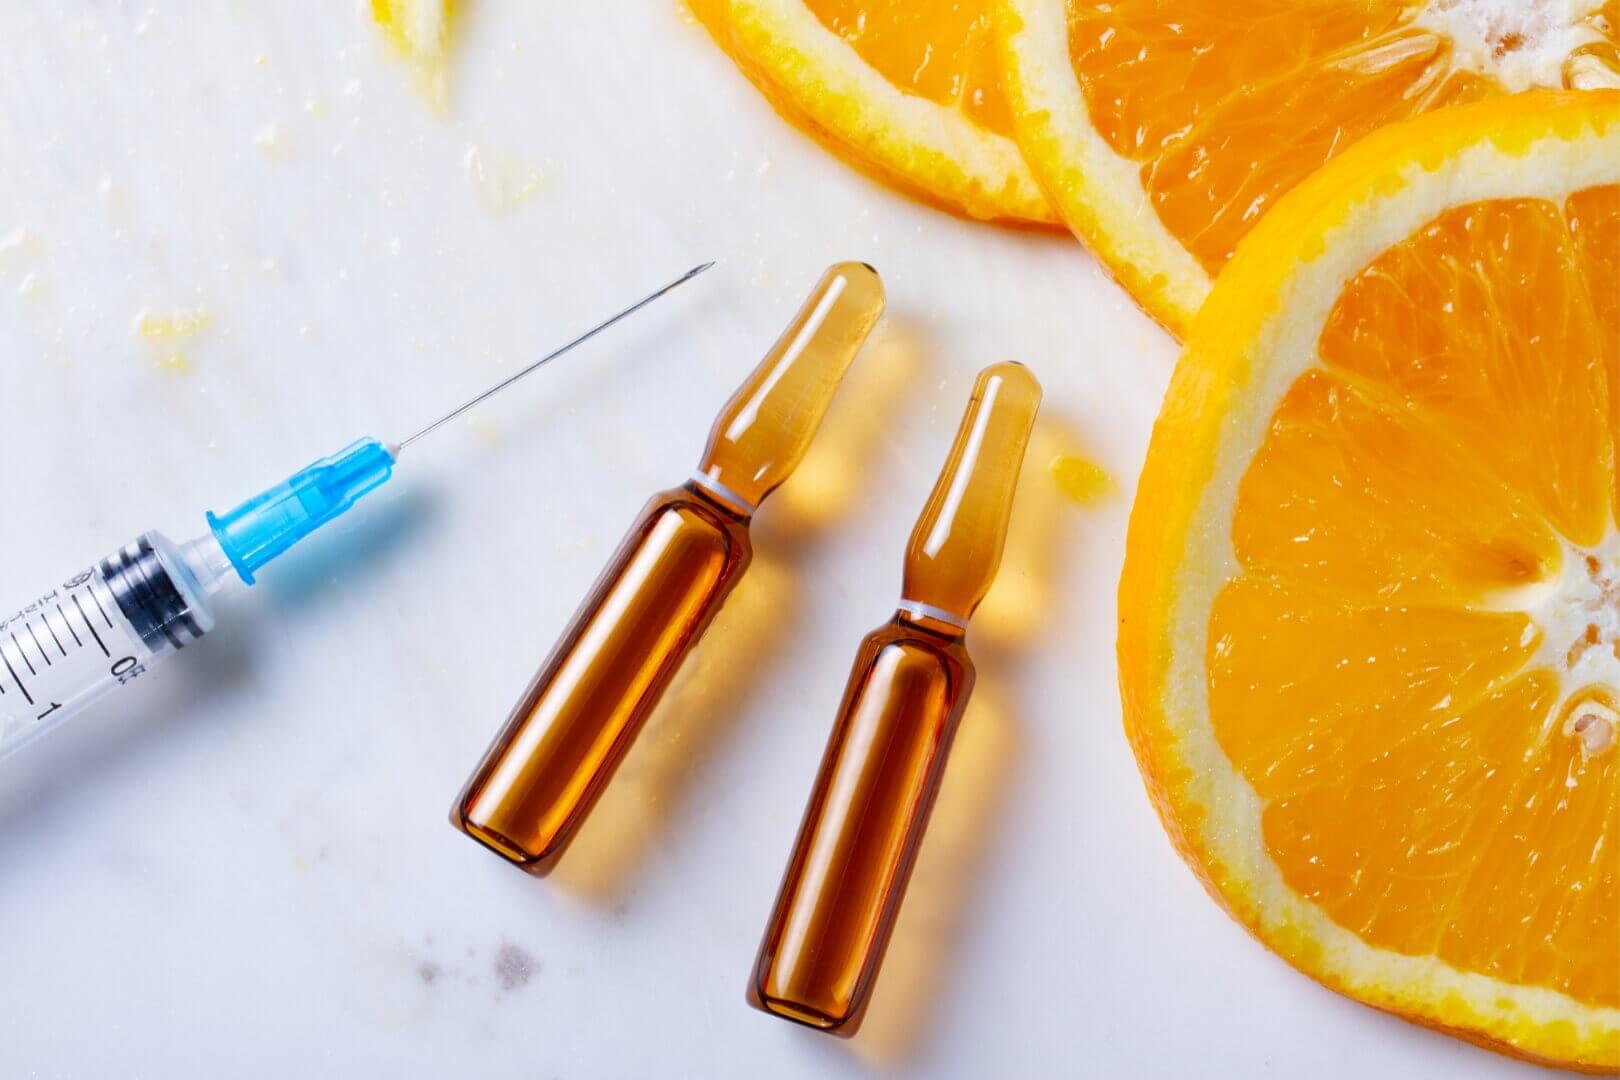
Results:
[260, 529]
[546, 359]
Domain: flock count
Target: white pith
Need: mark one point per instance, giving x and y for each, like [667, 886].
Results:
[1579, 618]
[1284, 349]
[1522, 43]
[815, 66]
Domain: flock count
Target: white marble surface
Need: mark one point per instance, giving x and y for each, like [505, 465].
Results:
[244, 869]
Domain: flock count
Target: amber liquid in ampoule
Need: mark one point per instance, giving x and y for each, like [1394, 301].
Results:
[886, 757]
[661, 590]
[674, 569]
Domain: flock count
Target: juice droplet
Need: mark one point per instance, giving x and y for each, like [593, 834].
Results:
[163, 333]
[167, 326]
[1083, 482]
[501, 180]
[21, 241]
[270, 140]
[485, 430]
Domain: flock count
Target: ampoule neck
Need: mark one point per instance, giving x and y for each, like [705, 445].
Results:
[955, 548]
[937, 622]
[715, 494]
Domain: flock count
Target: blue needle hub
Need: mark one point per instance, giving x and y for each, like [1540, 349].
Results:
[274, 520]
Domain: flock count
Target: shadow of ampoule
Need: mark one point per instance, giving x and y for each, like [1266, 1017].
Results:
[1025, 601]
[700, 706]
[646, 796]
[1028, 592]
[828, 482]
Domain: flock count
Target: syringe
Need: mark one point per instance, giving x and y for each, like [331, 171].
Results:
[108, 625]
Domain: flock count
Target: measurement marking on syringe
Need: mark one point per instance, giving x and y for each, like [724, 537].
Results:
[88, 626]
[24, 655]
[35, 638]
[46, 619]
[26, 695]
[101, 609]
[67, 622]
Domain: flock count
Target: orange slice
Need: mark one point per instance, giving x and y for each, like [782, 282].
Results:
[903, 88]
[1163, 130]
[1370, 613]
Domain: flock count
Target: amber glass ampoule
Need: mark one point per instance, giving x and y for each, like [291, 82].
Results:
[884, 762]
[679, 562]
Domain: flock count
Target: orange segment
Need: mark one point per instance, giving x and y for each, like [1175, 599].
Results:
[1594, 222]
[942, 51]
[1516, 379]
[1499, 877]
[1418, 860]
[1211, 111]
[1298, 684]
[1229, 108]
[1363, 502]
[1212, 184]
[1150, 72]
[1258, 115]
[1540, 906]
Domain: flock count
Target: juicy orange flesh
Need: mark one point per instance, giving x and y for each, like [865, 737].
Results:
[1228, 106]
[1594, 222]
[1515, 374]
[1369, 674]
[941, 50]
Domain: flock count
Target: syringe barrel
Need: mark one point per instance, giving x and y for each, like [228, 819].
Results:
[100, 629]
